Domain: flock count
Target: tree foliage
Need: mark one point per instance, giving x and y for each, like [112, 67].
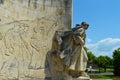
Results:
[116, 62]
[100, 61]
[91, 57]
[104, 62]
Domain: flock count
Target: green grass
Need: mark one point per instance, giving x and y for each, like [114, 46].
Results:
[102, 70]
[109, 70]
[104, 77]
[101, 76]
[96, 76]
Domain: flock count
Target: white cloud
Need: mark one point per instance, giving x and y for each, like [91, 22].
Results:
[88, 40]
[105, 46]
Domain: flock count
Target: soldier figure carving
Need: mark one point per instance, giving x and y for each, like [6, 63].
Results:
[68, 51]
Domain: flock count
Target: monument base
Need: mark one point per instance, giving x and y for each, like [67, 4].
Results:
[82, 78]
[68, 78]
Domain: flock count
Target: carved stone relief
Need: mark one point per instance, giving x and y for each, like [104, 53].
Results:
[26, 31]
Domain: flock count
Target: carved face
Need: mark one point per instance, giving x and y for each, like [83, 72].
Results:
[85, 27]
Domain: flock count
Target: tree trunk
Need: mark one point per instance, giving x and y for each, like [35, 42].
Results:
[104, 69]
[99, 69]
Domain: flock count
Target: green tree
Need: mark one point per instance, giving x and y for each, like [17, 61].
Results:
[91, 57]
[103, 62]
[116, 62]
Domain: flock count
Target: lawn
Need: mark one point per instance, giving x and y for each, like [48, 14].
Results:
[103, 75]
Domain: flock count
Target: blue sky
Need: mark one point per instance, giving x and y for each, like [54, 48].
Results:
[103, 16]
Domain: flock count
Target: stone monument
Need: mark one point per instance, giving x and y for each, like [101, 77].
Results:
[26, 31]
[67, 59]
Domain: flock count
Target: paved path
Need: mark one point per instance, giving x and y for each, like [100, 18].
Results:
[105, 73]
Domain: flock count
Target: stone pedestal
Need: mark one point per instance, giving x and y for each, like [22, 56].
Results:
[82, 78]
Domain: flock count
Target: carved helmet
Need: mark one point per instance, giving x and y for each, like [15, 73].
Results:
[84, 23]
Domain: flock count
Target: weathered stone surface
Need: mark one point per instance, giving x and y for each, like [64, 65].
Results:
[26, 31]
[67, 59]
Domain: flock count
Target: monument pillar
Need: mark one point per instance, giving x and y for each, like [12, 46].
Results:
[26, 31]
